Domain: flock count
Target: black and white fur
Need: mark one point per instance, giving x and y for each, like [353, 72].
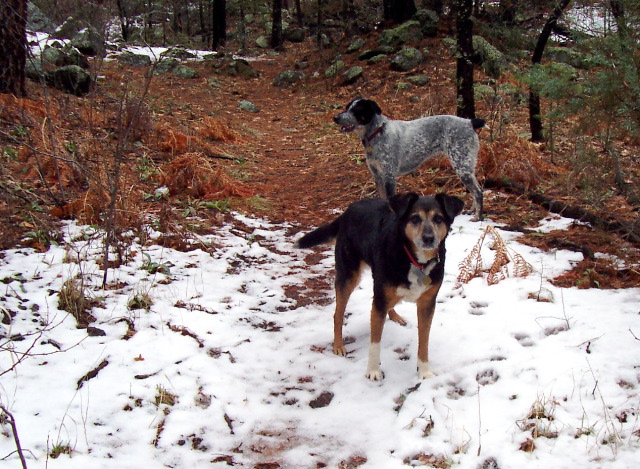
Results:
[396, 147]
[402, 240]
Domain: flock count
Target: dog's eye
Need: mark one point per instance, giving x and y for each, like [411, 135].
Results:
[415, 219]
[437, 219]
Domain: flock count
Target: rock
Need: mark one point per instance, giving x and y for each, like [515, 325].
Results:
[492, 61]
[419, 80]
[179, 53]
[352, 75]
[165, 65]
[89, 42]
[294, 34]
[248, 106]
[239, 67]
[53, 56]
[33, 69]
[68, 29]
[37, 21]
[182, 71]
[75, 57]
[380, 50]
[429, 22]
[135, 60]
[288, 77]
[71, 78]
[333, 70]
[214, 83]
[95, 332]
[406, 59]
[377, 59]
[355, 46]
[410, 31]
[262, 42]
[401, 86]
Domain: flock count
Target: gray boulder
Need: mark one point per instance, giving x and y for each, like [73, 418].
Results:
[287, 78]
[380, 50]
[492, 61]
[68, 29]
[419, 80]
[179, 53]
[248, 106]
[355, 46]
[71, 79]
[37, 21]
[53, 56]
[294, 34]
[165, 66]
[334, 69]
[406, 59]
[182, 71]
[134, 60]
[411, 31]
[89, 42]
[75, 57]
[352, 75]
[239, 67]
[429, 22]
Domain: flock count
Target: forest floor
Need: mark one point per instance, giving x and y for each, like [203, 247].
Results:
[287, 162]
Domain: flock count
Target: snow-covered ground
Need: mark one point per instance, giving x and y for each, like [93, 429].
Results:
[244, 362]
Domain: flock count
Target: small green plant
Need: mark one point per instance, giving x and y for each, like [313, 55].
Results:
[140, 300]
[59, 449]
[164, 397]
[146, 169]
[156, 267]
[9, 153]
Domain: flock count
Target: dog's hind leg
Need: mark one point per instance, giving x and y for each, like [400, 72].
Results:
[395, 317]
[346, 282]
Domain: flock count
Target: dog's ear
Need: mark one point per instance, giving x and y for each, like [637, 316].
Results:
[401, 203]
[364, 110]
[375, 109]
[451, 206]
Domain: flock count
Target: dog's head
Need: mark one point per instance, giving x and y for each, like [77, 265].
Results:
[358, 112]
[425, 220]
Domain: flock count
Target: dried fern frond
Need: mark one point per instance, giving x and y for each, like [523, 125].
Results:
[471, 266]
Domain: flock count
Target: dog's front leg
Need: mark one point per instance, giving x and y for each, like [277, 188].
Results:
[426, 308]
[374, 372]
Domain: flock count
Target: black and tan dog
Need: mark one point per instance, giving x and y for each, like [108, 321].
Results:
[403, 241]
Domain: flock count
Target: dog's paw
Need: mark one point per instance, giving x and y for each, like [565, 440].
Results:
[395, 317]
[339, 350]
[424, 370]
[375, 375]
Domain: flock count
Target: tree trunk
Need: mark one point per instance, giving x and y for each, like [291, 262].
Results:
[464, 62]
[277, 40]
[398, 11]
[435, 5]
[219, 37]
[535, 114]
[13, 46]
[299, 13]
[124, 20]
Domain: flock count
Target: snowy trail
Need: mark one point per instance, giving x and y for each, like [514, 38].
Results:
[254, 381]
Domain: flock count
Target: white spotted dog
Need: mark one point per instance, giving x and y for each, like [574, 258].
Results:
[396, 147]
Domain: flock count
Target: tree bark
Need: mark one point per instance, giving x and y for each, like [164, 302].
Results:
[219, 37]
[535, 113]
[13, 46]
[464, 61]
[277, 41]
[398, 11]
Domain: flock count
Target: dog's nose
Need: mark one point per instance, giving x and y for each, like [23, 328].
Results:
[336, 117]
[428, 239]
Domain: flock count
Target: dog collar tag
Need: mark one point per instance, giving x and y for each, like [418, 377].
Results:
[422, 276]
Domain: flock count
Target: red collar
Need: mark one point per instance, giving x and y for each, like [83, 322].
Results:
[415, 262]
[373, 135]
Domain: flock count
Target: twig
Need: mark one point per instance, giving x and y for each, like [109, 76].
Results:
[16, 438]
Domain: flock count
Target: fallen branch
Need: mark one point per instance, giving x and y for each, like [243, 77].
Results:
[626, 230]
[14, 429]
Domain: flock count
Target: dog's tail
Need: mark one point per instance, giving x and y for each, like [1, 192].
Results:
[321, 235]
[477, 123]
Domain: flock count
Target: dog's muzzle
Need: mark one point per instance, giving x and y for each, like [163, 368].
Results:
[344, 128]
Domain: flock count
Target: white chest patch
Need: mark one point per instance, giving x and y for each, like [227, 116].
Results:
[419, 282]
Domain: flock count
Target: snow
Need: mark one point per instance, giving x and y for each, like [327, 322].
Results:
[244, 362]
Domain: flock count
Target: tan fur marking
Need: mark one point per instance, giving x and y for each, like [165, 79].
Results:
[342, 298]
